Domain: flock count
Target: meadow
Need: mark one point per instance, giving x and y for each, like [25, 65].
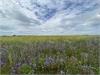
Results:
[49, 55]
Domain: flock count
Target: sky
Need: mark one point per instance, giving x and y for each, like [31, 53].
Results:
[49, 17]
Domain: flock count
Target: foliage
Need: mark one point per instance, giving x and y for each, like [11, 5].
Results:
[49, 55]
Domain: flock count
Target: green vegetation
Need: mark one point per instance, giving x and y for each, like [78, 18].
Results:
[49, 54]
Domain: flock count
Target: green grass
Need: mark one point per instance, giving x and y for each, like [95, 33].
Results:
[49, 54]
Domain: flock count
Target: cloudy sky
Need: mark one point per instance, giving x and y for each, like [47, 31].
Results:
[49, 17]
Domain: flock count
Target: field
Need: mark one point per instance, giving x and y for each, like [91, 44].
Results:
[49, 54]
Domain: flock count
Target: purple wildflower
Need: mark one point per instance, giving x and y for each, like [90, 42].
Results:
[49, 60]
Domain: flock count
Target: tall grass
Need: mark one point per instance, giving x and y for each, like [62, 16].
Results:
[49, 54]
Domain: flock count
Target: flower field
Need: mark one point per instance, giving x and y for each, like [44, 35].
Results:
[49, 54]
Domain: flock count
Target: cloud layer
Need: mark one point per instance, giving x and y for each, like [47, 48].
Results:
[49, 17]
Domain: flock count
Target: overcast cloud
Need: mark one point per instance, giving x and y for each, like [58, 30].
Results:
[48, 17]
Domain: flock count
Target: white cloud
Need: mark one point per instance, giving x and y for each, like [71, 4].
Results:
[69, 17]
